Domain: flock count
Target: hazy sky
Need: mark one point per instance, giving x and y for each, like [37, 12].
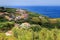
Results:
[29, 2]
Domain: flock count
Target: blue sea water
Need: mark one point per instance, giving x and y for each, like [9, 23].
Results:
[50, 11]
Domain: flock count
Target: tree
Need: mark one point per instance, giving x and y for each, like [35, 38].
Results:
[2, 9]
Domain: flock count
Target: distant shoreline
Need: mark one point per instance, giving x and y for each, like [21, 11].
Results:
[50, 11]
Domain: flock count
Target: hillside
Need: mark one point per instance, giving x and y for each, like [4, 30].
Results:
[20, 24]
[18, 16]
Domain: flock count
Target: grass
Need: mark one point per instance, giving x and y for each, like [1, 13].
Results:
[35, 32]
[24, 34]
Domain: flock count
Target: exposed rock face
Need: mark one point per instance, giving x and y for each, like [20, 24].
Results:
[16, 25]
[9, 33]
[25, 25]
[22, 14]
[17, 18]
[41, 17]
[8, 18]
[20, 11]
[1, 14]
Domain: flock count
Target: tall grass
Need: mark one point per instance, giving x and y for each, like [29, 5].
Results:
[29, 34]
[22, 34]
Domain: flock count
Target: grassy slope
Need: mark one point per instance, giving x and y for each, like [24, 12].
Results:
[42, 34]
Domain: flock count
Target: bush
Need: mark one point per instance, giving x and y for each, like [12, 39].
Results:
[36, 28]
[2, 9]
[6, 25]
[35, 20]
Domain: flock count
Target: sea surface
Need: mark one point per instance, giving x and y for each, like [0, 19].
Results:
[50, 11]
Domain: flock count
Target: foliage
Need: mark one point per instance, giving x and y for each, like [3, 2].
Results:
[35, 27]
[35, 19]
[10, 10]
[6, 25]
[23, 34]
[2, 9]
[39, 29]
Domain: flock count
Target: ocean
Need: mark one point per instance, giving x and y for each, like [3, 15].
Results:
[50, 11]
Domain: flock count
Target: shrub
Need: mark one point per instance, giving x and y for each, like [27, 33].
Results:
[35, 27]
[5, 26]
[35, 20]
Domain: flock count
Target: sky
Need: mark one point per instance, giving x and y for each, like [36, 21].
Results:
[29, 2]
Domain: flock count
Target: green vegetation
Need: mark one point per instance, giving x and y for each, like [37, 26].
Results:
[39, 27]
[5, 26]
[23, 34]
